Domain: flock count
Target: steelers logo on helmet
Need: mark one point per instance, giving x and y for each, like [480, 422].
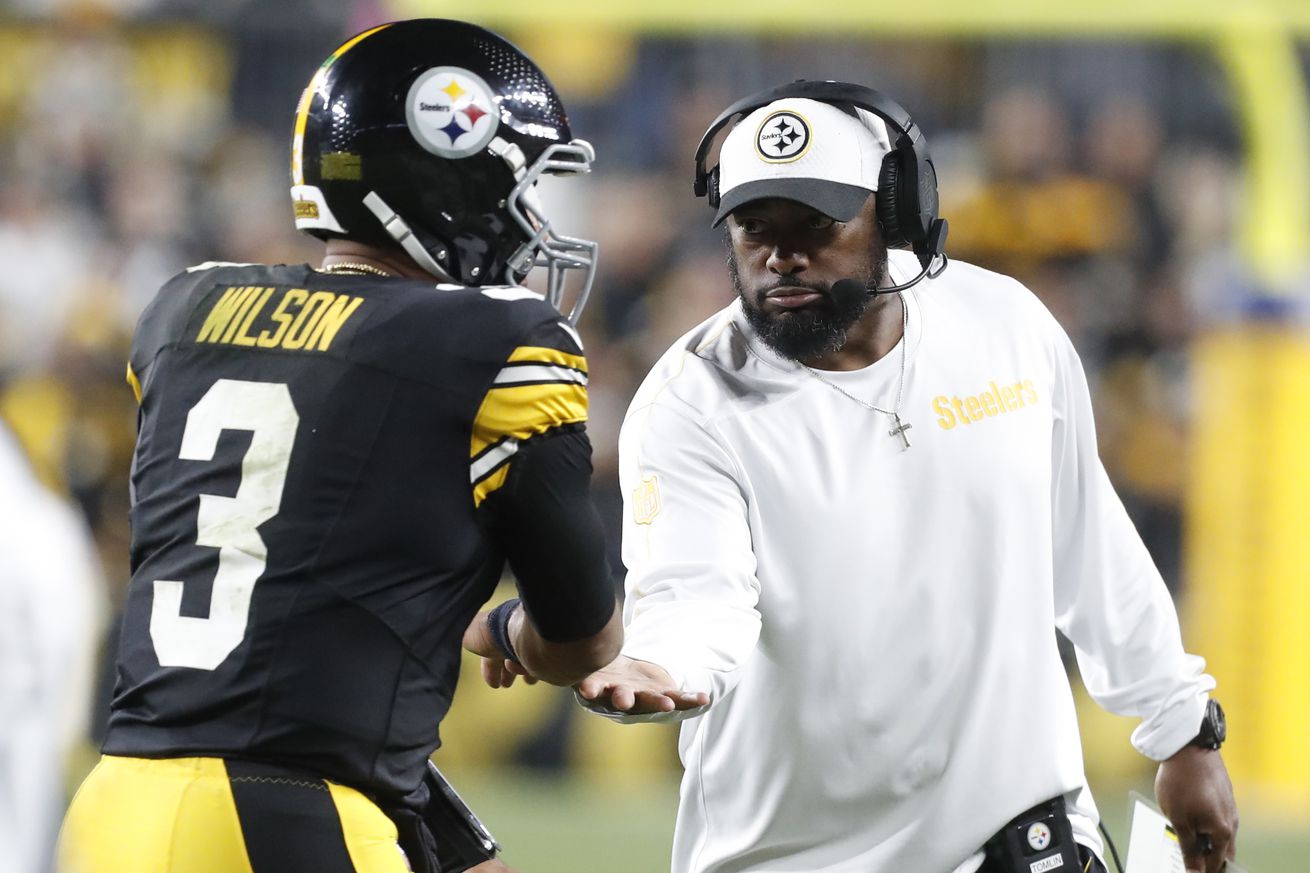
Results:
[782, 137]
[451, 112]
[1039, 835]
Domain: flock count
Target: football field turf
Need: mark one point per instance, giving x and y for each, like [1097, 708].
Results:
[566, 825]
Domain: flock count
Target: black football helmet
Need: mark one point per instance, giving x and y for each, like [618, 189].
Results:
[432, 133]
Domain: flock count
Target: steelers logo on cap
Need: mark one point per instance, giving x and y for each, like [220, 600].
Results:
[451, 112]
[782, 137]
[1039, 835]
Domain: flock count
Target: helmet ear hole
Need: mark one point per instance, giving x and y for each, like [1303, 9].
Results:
[888, 200]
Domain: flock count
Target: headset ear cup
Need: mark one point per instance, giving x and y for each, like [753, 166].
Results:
[712, 190]
[888, 200]
[927, 196]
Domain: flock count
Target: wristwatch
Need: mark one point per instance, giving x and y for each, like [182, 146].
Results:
[1214, 729]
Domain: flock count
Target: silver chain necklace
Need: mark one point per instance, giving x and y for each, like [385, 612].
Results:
[895, 412]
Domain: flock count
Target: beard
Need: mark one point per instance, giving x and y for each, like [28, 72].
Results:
[815, 330]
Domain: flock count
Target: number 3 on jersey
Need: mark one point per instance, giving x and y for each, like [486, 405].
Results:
[228, 524]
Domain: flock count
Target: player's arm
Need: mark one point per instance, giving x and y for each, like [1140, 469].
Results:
[531, 477]
[566, 623]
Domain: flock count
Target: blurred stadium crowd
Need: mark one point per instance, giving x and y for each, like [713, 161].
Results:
[136, 142]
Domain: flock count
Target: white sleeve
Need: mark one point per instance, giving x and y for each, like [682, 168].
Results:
[1110, 600]
[691, 584]
[50, 621]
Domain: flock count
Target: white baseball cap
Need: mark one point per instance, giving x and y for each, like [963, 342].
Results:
[804, 150]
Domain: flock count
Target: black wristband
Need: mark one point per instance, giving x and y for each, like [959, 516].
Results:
[498, 624]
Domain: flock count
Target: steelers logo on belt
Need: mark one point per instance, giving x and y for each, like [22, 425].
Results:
[782, 137]
[1039, 835]
[451, 112]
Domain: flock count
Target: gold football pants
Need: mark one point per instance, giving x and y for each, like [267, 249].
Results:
[207, 815]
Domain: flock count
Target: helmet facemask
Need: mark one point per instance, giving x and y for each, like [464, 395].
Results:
[545, 247]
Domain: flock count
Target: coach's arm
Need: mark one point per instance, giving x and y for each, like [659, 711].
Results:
[690, 614]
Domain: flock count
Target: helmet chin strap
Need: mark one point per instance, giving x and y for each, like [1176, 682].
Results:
[401, 233]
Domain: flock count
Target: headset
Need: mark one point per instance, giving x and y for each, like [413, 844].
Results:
[906, 200]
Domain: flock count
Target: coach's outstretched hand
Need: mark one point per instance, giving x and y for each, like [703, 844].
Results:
[637, 688]
[1196, 796]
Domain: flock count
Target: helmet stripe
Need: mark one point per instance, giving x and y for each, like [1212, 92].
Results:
[307, 98]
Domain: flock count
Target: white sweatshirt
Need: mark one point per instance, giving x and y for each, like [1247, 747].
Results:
[51, 609]
[875, 625]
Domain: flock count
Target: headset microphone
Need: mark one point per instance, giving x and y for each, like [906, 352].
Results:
[847, 292]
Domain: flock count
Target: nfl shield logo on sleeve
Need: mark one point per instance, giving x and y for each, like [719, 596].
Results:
[646, 501]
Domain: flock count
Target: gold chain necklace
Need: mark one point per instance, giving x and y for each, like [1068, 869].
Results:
[355, 267]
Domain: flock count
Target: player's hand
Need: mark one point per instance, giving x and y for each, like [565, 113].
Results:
[1196, 796]
[501, 672]
[497, 670]
[477, 637]
[637, 687]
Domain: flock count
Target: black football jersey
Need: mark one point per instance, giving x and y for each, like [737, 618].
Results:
[307, 540]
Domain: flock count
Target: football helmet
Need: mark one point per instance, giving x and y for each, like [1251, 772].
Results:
[433, 133]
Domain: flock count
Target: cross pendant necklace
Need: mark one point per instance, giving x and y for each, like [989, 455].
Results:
[895, 412]
[900, 430]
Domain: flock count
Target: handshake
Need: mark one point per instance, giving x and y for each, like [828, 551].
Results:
[622, 686]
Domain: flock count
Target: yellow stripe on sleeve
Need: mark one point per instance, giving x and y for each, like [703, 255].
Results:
[521, 411]
[513, 412]
[489, 484]
[134, 382]
[544, 355]
[517, 412]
